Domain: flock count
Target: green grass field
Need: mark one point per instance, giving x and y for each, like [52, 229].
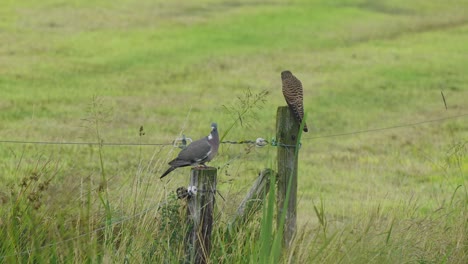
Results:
[89, 71]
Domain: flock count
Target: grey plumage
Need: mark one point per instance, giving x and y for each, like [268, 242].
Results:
[198, 152]
[293, 93]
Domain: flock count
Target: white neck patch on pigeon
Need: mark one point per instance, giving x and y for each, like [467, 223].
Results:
[210, 137]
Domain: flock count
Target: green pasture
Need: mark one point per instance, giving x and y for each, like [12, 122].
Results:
[382, 171]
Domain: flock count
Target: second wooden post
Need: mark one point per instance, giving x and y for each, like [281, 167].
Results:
[287, 131]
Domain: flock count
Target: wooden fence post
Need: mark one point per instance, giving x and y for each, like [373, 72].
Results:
[287, 131]
[200, 214]
[254, 199]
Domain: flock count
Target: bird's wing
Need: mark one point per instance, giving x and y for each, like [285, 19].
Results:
[195, 152]
[177, 162]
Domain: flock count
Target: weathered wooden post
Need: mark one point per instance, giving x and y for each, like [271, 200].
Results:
[254, 198]
[200, 214]
[287, 131]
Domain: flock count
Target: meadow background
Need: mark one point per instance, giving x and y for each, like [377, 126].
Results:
[98, 71]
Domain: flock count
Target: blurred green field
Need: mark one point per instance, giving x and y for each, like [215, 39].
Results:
[85, 71]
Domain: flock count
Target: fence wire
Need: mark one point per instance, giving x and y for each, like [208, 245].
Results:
[389, 127]
[260, 142]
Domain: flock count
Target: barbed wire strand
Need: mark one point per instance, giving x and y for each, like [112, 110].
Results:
[88, 233]
[232, 142]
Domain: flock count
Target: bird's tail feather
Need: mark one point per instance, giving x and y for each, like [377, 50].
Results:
[298, 116]
[167, 172]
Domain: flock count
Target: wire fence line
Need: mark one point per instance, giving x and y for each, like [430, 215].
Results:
[159, 205]
[82, 143]
[259, 141]
[390, 127]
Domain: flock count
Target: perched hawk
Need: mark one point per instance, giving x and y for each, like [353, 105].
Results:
[292, 91]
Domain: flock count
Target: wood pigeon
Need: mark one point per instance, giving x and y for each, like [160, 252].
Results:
[292, 91]
[198, 152]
